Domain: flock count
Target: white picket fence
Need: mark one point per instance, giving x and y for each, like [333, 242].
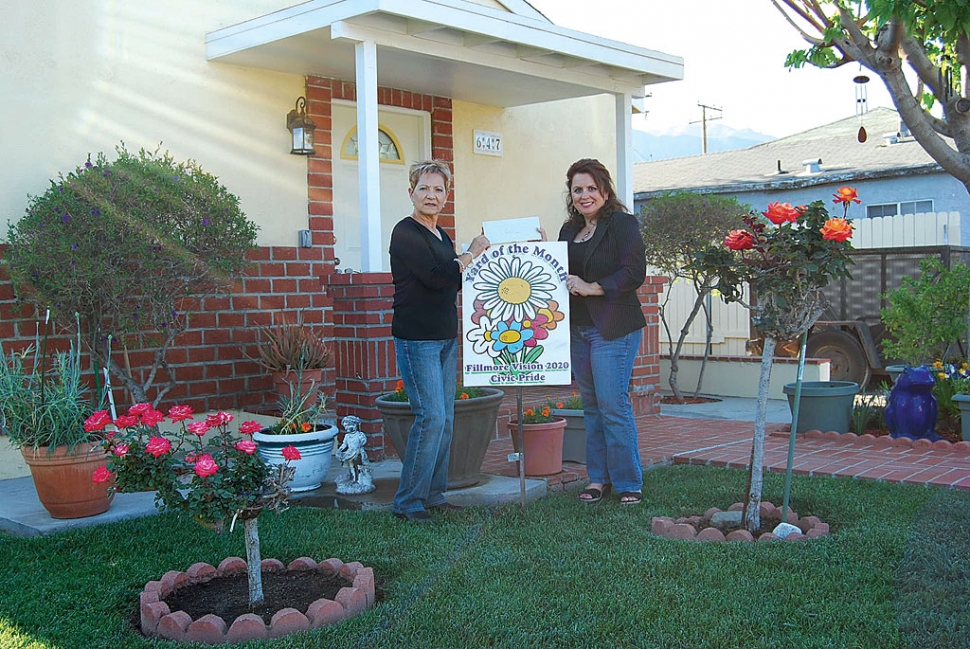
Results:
[730, 321]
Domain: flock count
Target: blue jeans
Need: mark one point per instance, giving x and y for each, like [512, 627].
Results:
[428, 369]
[603, 369]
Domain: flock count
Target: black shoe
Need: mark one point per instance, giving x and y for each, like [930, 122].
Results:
[416, 517]
[447, 507]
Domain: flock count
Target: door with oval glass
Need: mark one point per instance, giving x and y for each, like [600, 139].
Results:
[405, 137]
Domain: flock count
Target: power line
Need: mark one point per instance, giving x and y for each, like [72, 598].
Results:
[704, 120]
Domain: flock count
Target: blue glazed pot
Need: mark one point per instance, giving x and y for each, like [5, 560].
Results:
[912, 408]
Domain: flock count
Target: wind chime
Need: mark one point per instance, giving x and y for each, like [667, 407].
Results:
[861, 103]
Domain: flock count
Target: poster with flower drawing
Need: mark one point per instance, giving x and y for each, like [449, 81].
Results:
[515, 316]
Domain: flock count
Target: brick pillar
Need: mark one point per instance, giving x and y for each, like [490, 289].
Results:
[645, 383]
[364, 360]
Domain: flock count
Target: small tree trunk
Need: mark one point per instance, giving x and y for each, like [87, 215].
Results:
[752, 505]
[254, 562]
[708, 337]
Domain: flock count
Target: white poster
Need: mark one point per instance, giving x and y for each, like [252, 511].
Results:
[515, 315]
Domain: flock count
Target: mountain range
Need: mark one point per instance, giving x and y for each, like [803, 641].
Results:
[686, 141]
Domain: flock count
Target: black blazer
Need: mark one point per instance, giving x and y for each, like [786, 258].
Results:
[615, 257]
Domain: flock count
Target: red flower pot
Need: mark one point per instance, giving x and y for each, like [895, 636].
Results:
[543, 446]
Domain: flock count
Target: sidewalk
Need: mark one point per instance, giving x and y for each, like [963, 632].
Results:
[711, 434]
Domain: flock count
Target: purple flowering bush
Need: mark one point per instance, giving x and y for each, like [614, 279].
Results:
[120, 243]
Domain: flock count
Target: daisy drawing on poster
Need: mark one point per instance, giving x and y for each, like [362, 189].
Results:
[514, 317]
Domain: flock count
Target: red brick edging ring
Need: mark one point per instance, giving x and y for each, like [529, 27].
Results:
[158, 621]
[698, 528]
[881, 441]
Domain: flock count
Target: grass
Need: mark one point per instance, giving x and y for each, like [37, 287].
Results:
[555, 574]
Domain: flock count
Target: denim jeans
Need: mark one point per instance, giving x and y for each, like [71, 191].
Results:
[603, 369]
[428, 369]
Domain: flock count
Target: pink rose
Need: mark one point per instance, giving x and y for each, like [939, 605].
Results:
[205, 466]
[291, 453]
[179, 413]
[247, 446]
[158, 446]
[139, 408]
[218, 419]
[97, 421]
[199, 428]
[191, 458]
[250, 427]
[151, 417]
[121, 450]
[126, 421]
[102, 475]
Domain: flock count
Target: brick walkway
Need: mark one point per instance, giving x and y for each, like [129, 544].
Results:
[668, 440]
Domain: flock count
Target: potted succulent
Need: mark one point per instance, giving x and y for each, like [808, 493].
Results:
[542, 436]
[305, 424]
[476, 410]
[292, 351]
[574, 437]
[44, 402]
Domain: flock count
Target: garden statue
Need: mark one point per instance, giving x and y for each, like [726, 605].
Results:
[353, 456]
[911, 411]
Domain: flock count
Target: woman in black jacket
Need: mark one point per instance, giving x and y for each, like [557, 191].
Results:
[607, 265]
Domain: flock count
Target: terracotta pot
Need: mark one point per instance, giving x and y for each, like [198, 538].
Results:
[474, 429]
[64, 481]
[543, 446]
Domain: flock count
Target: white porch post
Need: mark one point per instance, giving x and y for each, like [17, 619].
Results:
[624, 148]
[368, 158]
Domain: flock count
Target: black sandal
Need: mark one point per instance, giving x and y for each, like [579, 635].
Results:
[595, 495]
[633, 497]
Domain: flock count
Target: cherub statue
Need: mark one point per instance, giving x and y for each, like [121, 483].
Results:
[351, 453]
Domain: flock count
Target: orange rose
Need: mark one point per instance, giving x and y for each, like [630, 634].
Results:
[779, 213]
[846, 195]
[739, 240]
[837, 230]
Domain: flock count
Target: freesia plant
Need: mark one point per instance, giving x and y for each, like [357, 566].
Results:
[786, 255]
[215, 478]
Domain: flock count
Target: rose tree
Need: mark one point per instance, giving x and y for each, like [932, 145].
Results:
[214, 482]
[786, 255]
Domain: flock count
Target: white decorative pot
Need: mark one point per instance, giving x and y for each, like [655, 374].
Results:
[316, 451]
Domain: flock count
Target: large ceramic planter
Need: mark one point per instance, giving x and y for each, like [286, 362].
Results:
[574, 436]
[543, 446]
[474, 429]
[962, 401]
[64, 481]
[825, 405]
[316, 454]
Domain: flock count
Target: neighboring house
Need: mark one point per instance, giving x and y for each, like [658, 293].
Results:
[492, 86]
[892, 173]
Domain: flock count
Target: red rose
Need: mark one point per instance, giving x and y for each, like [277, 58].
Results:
[218, 419]
[121, 450]
[151, 417]
[199, 428]
[158, 446]
[102, 475]
[179, 413]
[739, 240]
[250, 427]
[126, 421]
[139, 408]
[291, 453]
[97, 421]
[205, 466]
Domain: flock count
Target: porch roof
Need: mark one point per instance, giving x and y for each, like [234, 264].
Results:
[452, 48]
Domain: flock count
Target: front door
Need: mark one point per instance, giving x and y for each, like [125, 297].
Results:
[404, 138]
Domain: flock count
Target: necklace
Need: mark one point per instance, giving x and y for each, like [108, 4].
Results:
[589, 233]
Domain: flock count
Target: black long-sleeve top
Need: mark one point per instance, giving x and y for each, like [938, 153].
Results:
[426, 282]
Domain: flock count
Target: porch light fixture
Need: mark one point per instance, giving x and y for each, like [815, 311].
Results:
[301, 129]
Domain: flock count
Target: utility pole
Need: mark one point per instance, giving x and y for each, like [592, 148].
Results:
[704, 120]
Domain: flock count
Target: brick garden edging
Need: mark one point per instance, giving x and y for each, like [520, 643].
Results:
[158, 621]
[881, 441]
[699, 528]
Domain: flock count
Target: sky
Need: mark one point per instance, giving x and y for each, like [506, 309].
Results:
[734, 59]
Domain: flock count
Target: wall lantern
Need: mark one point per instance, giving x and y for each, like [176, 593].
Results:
[301, 129]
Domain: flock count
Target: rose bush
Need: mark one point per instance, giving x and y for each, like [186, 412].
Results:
[215, 481]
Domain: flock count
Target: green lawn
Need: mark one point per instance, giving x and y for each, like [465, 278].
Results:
[895, 573]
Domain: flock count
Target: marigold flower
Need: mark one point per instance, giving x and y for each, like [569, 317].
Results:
[180, 413]
[837, 230]
[247, 446]
[102, 475]
[779, 213]
[97, 421]
[463, 395]
[291, 453]
[739, 240]
[846, 195]
[250, 427]
[306, 427]
[158, 446]
[205, 466]
[560, 404]
[199, 428]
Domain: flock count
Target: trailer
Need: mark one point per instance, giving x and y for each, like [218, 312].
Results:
[850, 331]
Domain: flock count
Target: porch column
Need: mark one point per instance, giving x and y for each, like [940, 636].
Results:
[368, 157]
[624, 148]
